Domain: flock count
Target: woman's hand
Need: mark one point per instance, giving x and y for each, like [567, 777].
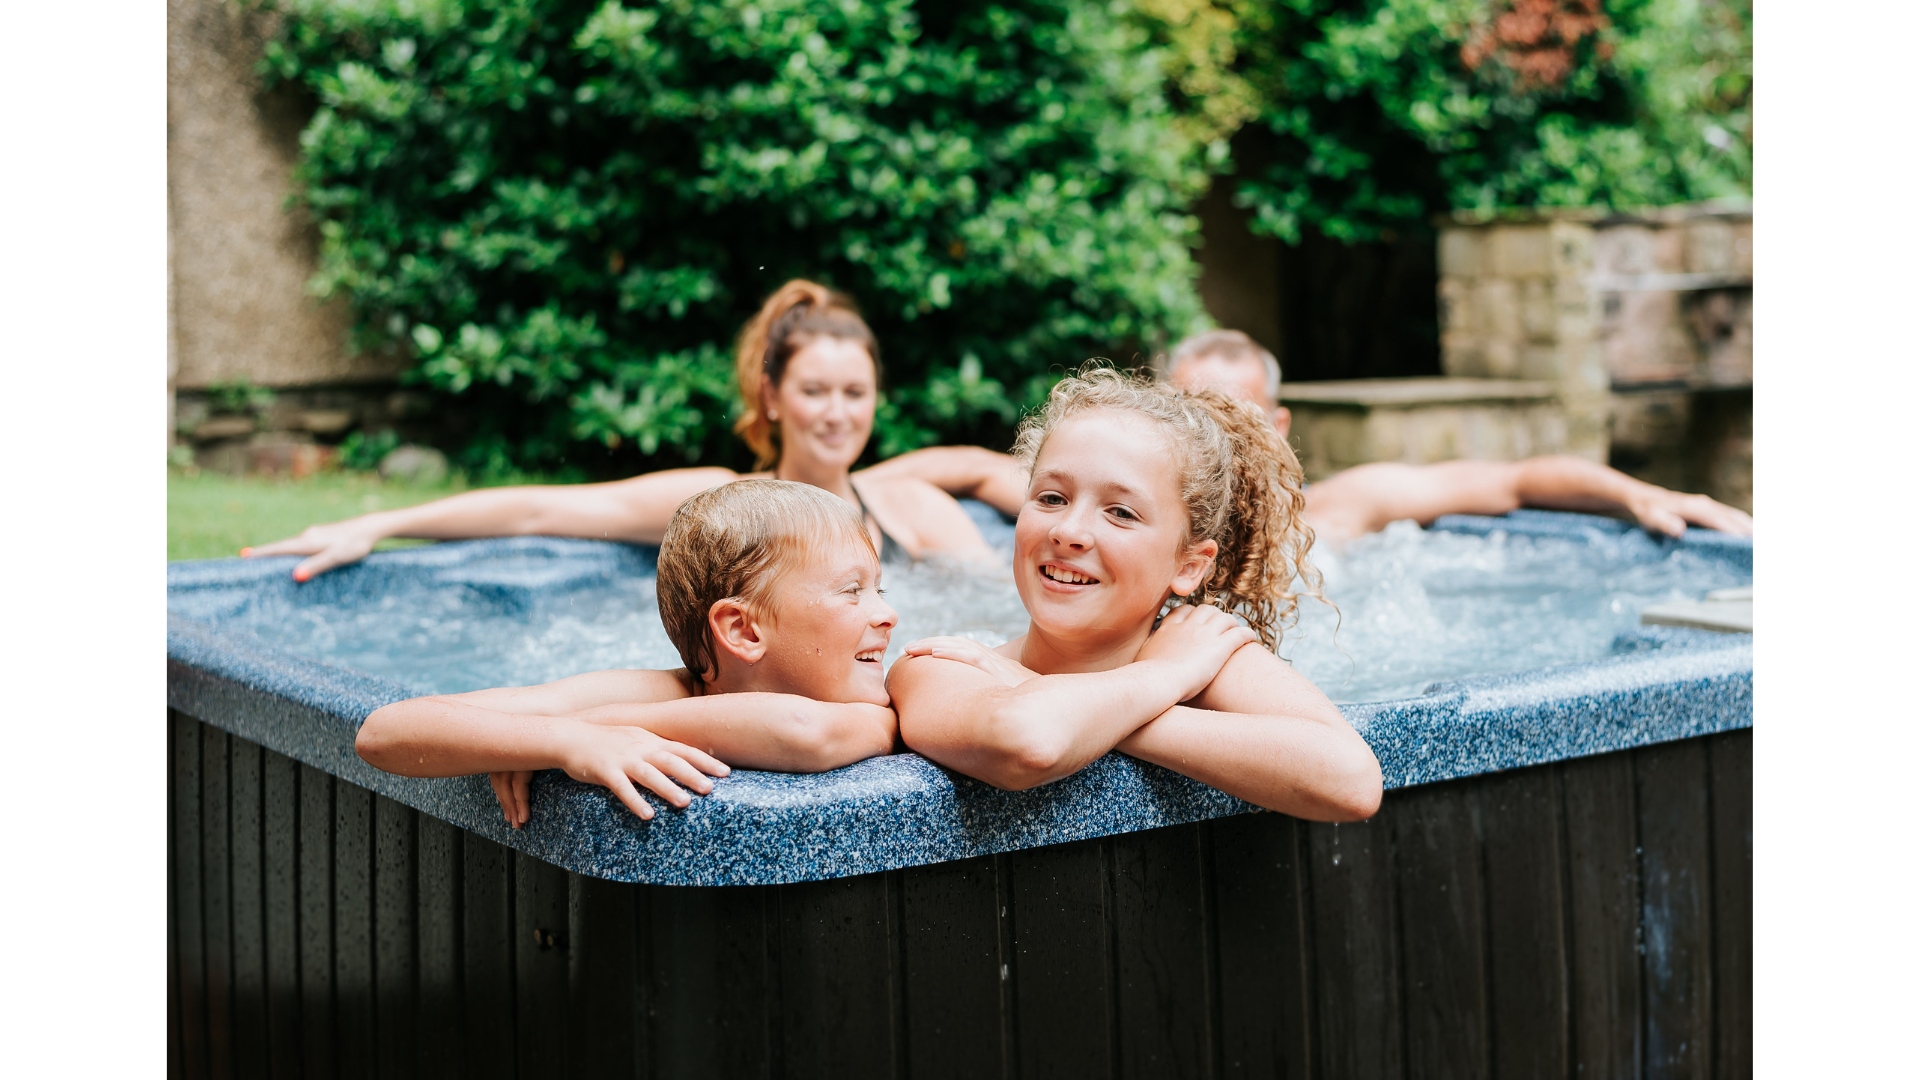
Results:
[334, 544]
[616, 757]
[1195, 642]
[968, 651]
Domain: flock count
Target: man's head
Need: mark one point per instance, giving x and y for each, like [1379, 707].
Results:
[1234, 364]
[774, 586]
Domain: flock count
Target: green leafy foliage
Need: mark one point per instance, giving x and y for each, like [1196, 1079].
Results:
[1377, 114]
[565, 210]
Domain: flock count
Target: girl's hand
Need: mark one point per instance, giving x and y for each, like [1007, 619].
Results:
[330, 545]
[967, 651]
[1195, 642]
[511, 789]
[616, 757]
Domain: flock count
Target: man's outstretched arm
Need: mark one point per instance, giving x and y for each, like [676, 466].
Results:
[1365, 498]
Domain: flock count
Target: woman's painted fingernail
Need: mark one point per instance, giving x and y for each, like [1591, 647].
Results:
[245, 551]
[301, 575]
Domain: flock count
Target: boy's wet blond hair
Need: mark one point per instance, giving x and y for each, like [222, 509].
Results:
[731, 543]
[1239, 479]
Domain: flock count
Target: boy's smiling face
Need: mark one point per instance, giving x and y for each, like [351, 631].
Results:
[826, 627]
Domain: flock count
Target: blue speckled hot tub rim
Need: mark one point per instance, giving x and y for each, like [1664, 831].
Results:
[902, 810]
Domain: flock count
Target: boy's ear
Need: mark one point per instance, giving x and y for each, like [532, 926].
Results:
[1194, 570]
[1283, 420]
[737, 631]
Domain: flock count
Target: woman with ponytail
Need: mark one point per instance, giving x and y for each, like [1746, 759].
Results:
[1157, 552]
[808, 371]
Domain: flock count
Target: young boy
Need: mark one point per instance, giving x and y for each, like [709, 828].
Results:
[770, 591]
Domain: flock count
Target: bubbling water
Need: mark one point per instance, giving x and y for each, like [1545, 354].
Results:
[1414, 607]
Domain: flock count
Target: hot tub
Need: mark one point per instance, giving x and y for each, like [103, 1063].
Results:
[1558, 878]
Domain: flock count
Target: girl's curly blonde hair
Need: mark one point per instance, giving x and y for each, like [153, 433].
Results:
[1239, 479]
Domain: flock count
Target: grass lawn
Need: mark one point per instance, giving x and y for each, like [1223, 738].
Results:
[211, 516]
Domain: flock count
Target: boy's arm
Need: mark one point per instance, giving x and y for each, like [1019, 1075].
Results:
[776, 732]
[970, 472]
[447, 736]
[635, 510]
[1366, 498]
[1265, 734]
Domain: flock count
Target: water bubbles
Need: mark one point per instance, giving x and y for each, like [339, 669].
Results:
[1415, 607]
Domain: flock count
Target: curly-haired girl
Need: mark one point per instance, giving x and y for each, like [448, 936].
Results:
[1153, 517]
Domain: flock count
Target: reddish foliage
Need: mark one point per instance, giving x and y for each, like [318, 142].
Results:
[1535, 39]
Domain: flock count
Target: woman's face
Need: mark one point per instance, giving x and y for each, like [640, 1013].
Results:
[824, 404]
[828, 628]
[1102, 539]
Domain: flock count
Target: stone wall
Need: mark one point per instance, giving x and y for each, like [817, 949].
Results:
[1516, 302]
[239, 258]
[1643, 322]
[1340, 424]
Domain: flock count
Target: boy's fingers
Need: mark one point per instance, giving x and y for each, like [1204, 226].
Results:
[683, 772]
[644, 773]
[623, 790]
[503, 791]
[700, 759]
[522, 796]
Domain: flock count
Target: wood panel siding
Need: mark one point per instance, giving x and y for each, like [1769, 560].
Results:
[1585, 918]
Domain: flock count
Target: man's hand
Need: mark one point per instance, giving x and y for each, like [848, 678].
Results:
[335, 544]
[1670, 512]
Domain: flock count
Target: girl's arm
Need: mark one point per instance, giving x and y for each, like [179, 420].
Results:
[635, 510]
[986, 716]
[1265, 734]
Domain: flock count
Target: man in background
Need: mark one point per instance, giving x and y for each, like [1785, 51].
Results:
[1365, 498]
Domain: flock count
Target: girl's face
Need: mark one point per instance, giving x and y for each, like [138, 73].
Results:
[828, 628]
[824, 403]
[1102, 540]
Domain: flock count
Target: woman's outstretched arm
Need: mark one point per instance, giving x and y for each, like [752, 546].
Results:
[635, 510]
[965, 472]
[1265, 734]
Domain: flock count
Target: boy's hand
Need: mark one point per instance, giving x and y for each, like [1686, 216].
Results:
[1196, 642]
[968, 651]
[511, 789]
[617, 757]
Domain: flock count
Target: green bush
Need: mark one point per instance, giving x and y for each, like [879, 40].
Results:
[1376, 114]
[566, 210]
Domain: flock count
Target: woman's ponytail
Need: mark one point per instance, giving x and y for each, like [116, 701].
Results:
[796, 313]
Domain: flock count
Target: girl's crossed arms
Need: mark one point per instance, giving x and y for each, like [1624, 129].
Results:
[1140, 496]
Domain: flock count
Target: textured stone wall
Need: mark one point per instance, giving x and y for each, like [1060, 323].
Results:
[1517, 302]
[239, 259]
